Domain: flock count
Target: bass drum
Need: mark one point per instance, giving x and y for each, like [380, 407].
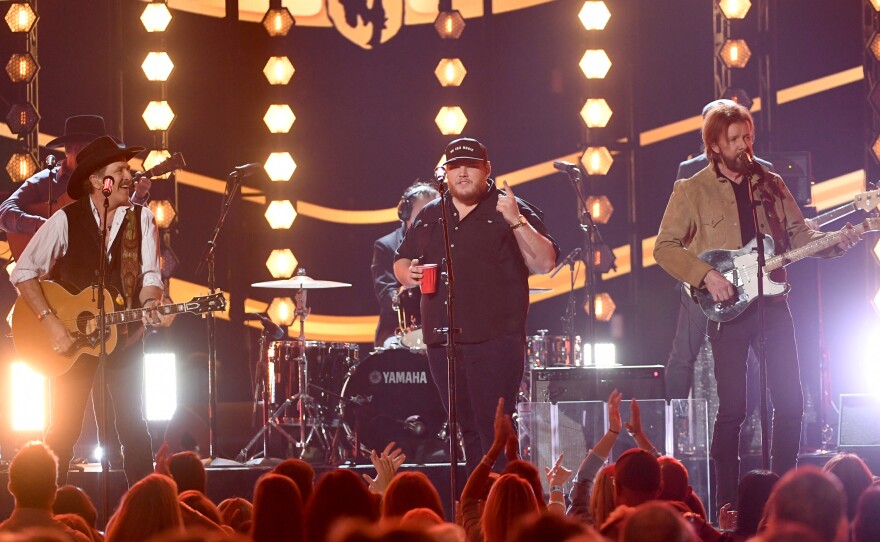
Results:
[390, 396]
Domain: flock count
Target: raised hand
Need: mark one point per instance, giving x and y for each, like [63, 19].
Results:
[386, 465]
[507, 205]
[634, 426]
[559, 474]
[614, 423]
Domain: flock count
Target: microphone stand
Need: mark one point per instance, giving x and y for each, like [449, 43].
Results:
[450, 332]
[762, 336]
[233, 183]
[102, 365]
[568, 319]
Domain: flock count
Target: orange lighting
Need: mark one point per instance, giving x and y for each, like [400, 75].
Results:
[734, 9]
[597, 160]
[21, 166]
[278, 22]
[449, 24]
[735, 53]
[600, 209]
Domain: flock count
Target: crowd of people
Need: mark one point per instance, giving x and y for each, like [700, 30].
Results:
[641, 497]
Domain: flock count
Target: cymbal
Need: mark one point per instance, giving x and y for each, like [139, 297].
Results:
[300, 281]
[539, 290]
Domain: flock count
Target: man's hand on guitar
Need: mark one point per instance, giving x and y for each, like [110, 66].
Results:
[720, 288]
[153, 317]
[58, 334]
[848, 237]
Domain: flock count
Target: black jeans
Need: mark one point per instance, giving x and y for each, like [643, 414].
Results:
[484, 372]
[690, 332]
[124, 377]
[730, 351]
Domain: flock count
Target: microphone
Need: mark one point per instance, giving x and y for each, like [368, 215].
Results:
[273, 330]
[108, 186]
[749, 159]
[439, 174]
[51, 161]
[248, 169]
[565, 167]
[415, 425]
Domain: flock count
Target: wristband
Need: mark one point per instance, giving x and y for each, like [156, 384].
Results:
[147, 300]
[44, 313]
[556, 488]
[560, 503]
[613, 431]
[521, 221]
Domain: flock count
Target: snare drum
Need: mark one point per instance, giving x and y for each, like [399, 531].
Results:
[409, 317]
[551, 351]
[327, 365]
[390, 395]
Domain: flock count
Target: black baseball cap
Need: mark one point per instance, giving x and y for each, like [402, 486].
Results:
[466, 148]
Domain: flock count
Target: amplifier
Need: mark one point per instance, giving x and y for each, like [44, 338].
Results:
[859, 422]
[555, 384]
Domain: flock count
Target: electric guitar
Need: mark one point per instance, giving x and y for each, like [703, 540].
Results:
[866, 201]
[740, 267]
[18, 241]
[79, 314]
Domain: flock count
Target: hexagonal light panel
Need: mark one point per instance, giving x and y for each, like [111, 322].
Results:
[877, 301]
[20, 17]
[875, 4]
[594, 15]
[281, 263]
[156, 157]
[597, 160]
[280, 214]
[595, 63]
[600, 209]
[22, 67]
[449, 24]
[278, 70]
[875, 148]
[280, 166]
[22, 118]
[157, 66]
[281, 311]
[279, 118]
[158, 115]
[451, 120]
[605, 307]
[21, 166]
[596, 113]
[164, 212]
[278, 22]
[735, 53]
[450, 72]
[156, 17]
[734, 9]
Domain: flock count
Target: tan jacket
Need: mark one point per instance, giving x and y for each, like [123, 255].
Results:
[702, 215]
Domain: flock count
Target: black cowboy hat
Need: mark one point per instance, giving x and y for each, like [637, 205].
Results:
[83, 128]
[94, 156]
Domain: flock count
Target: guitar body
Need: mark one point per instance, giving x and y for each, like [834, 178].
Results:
[78, 314]
[740, 268]
[18, 241]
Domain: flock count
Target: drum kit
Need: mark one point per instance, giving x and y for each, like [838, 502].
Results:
[321, 397]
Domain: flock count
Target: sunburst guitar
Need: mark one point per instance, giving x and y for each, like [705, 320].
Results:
[79, 314]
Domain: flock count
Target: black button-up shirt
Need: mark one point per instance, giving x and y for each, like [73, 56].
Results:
[491, 277]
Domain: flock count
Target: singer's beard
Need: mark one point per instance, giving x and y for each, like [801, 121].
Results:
[738, 163]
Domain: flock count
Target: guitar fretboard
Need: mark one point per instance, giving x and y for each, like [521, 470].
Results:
[809, 249]
[834, 214]
[135, 315]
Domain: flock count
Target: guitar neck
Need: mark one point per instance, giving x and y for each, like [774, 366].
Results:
[809, 249]
[834, 214]
[135, 315]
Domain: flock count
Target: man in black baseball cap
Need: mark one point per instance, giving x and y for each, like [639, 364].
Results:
[497, 240]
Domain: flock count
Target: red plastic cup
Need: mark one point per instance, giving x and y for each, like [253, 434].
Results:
[429, 278]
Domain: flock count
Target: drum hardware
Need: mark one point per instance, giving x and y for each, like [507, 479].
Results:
[405, 302]
[309, 416]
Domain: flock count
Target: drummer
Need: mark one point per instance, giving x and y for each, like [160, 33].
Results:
[385, 284]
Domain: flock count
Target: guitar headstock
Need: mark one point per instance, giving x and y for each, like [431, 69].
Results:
[867, 201]
[207, 303]
[871, 223]
[172, 164]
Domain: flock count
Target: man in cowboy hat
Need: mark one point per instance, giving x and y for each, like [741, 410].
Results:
[16, 213]
[67, 249]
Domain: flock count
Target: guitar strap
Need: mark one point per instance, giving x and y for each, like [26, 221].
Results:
[770, 193]
[130, 261]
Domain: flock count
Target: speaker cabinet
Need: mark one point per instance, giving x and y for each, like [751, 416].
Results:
[596, 383]
[859, 422]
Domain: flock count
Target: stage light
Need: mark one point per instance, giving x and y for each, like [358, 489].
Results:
[22, 67]
[21, 166]
[595, 64]
[877, 297]
[605, 307]
[597, 160]
[876, 250]
[279, 118]
[20, 17]
[280, 166]
[158, 115]
[160, 386]
[22, 118]
[450, 72]
[600, 209]
[735, 53]
[606, 354]
[449, 24]
[280, 214]
[29, 397]
[594, 15]
[156, 157]
[278, 70]
[164, 211]
[734, 9]
[156, 17]
[451, 120]
[281, 263]
[874, 45]
[596, 113]
[875, 4]
[278, 22]
[875, 148]
[281, 311]
[157, 66]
